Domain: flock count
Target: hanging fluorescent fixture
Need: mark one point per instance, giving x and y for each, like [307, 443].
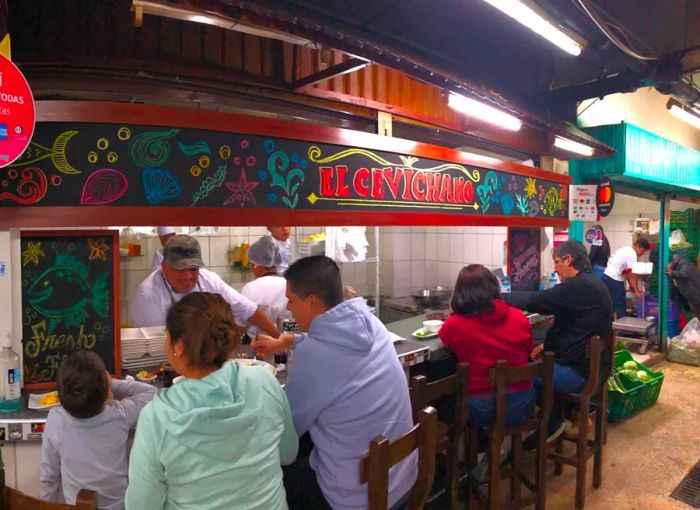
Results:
[571, 146]
[483, 112]
[685, 113]
[529, 16]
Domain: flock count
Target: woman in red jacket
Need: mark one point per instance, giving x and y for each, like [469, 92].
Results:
[482, 330]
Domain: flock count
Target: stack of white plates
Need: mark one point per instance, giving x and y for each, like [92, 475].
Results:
[142, 347]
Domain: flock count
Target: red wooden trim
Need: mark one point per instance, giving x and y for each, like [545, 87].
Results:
[32, 217]
[99, 111]
[114, 234]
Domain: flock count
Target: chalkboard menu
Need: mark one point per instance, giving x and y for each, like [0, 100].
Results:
[69, 300]
[120, 165]
[524, 258]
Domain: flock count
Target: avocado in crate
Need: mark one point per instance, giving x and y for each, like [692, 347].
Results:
[631, 389]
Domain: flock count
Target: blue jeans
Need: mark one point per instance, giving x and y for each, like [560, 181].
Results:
[617, 293]
[566, 380]
[519, 407]
[598, 271]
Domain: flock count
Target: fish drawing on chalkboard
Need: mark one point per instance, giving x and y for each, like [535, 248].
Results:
[63, 292]
[57, 152]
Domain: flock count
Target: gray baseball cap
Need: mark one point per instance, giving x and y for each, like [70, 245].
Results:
[265, 253]
[183, 252]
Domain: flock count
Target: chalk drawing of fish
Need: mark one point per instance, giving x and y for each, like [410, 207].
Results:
[63, 292]
[36, 152]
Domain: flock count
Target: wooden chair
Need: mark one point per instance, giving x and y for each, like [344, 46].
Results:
[502, 377]
[383, 454]
[449, 434]
[601, 352]
[15, 500]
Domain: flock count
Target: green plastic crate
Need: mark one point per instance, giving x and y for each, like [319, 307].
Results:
[639, 396]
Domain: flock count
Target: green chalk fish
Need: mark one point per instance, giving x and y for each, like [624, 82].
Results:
[63, 292]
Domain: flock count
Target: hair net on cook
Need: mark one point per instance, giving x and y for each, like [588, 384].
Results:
[265, 253]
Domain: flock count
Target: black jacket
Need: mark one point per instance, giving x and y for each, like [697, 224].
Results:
[581, 307]
[687, 278]
[599, 255]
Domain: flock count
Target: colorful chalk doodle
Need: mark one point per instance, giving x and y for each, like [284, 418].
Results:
[29, 186]
[203, 168]
[103, 187]
[37, 152]
[151, 148]
[160, 185]
[209, 184]
[98, 249]
[32, 253]
[241, 191]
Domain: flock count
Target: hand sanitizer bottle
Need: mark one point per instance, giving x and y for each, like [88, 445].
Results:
[10, 393]
[505, 285]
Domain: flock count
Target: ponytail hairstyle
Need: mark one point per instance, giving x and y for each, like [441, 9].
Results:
[205, 324]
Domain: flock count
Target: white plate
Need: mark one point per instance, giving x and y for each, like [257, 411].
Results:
[423, 337]
[395, 338]
[35, 401]
[256, 363]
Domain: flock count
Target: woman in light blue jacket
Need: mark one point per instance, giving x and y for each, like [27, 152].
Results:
[217, 439]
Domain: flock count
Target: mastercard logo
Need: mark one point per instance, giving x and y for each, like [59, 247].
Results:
[604, 194]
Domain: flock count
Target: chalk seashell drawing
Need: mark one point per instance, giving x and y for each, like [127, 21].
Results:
[104, 186]
[160, 185]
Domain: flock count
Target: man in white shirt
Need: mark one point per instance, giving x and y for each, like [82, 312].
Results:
[268, 289]
[281, 237]
[182, 272]
[619, 269]
[164, 233]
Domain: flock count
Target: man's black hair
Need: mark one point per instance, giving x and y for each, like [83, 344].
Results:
[317, 275]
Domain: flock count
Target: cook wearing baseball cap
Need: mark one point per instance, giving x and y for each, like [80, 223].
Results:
[164, 233]
[182, 271]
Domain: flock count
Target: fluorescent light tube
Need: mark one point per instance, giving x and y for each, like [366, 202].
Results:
[571, 146]
[530, 18]
[688, 116]
[483, 112]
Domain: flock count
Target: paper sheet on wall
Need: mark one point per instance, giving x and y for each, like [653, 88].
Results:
[582, 203]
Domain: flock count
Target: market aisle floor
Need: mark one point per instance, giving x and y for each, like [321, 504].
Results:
[647, 455]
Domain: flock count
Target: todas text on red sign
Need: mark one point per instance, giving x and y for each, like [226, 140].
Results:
[16, 112]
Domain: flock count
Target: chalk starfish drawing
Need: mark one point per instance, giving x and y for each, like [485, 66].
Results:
[241, 191]
[63, 292]
[32, 253]
[98, 249]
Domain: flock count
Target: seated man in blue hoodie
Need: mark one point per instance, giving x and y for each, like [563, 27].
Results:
[345, 387]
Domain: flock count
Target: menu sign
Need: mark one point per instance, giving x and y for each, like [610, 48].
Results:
[69, 281]
[16, 112]
[524, 258]
[88, 164]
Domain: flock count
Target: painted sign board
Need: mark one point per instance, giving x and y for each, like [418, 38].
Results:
[16, 112]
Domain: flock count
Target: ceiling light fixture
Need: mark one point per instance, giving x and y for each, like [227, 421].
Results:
[571, 146]
[483, 112]
[683, 112]
[531, 16]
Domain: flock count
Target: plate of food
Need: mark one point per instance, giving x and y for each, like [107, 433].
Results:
[43, 400]
[146, 376]
[257, 363]
[423, 333]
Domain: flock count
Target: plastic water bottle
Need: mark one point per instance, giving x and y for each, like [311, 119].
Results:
[505, 285]
[553, 281]
[10, 392]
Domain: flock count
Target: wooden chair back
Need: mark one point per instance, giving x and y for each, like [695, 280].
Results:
[424, 393]
[15, 500]
[383, 454]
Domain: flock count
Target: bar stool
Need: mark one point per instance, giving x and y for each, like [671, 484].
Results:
[12, 499]
[449, 433]
[383, 454]
[502, 377]
[601, 352]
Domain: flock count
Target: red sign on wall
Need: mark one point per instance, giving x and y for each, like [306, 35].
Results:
[16, 112]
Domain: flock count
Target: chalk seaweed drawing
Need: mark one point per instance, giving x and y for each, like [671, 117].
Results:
[314, 154]
[521, 204]
[151, 148]
[159, 185]
[194, 149]
[210, 183]
[33, 253]
[98, 249]
[30, 186]
[278, 164]
[63, 292]
[104, 186]
[37, 152]
[241, 190]
[487, 191]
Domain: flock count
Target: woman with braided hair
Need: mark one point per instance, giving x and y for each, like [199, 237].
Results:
[215, 440]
